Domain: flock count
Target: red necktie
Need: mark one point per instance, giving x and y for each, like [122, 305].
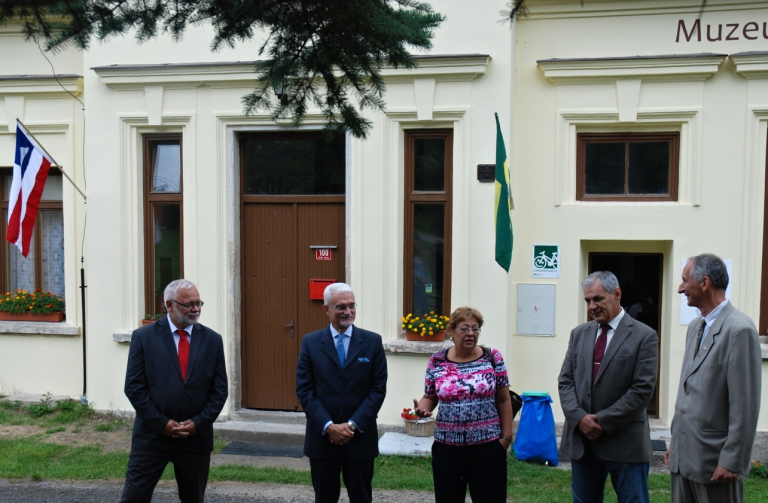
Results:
[600, 343]
[183, 352]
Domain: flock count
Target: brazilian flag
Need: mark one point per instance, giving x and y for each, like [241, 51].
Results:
[503, 203]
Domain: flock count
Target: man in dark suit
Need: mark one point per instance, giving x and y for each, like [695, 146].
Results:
[341, 380]
[605, 384]
[177, 383]
[718, 400]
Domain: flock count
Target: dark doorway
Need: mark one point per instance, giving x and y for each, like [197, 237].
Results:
[639, 276]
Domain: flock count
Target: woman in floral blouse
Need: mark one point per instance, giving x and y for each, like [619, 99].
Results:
[474, 421]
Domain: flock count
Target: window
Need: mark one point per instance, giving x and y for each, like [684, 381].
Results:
[627, 166]
[163, 238]
[428, 195]
[44, 266]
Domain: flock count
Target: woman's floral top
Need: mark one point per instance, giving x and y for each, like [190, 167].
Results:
[467, 397]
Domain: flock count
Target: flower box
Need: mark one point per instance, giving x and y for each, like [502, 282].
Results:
[436, 337]
[49, 317]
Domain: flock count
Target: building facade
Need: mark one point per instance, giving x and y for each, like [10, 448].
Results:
[636, 134]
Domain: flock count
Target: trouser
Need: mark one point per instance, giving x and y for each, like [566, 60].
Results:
[482, 467]
[357, 476]
[687, 491]
[145, 467]
[588, 476]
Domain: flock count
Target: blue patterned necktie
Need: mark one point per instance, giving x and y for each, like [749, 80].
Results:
[340, 349]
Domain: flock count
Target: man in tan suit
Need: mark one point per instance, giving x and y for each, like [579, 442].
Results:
[605, 384]
[719, 395]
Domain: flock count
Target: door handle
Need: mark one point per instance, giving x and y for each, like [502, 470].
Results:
[291, 326]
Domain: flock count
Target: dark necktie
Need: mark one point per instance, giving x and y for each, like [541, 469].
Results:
[699, 335]
[340, 349]
[183, 352]
[600, 343]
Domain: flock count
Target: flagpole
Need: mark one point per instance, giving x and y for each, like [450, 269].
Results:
[55, 164]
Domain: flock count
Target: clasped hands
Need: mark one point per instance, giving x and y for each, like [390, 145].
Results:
[590, 427]
[183, 429]
[339, 433]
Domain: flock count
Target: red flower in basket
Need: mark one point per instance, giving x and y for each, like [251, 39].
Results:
[409, 414]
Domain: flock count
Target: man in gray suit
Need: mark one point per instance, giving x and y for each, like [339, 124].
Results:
[719, 395]
[606, 382]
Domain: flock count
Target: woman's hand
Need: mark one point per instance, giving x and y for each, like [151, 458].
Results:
[505, 443]
[421, 412]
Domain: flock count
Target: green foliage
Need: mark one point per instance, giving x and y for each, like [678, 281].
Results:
[329, 53]
[758, 470]
[37, 302]
[32, 457]
[41, 409]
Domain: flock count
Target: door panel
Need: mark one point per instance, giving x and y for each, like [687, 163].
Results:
[269, 293]
[278, 263]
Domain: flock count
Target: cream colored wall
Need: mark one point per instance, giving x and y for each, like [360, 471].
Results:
[32, 363]
[721, 175]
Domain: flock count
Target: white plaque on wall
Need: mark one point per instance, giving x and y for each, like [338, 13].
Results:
[536, 310]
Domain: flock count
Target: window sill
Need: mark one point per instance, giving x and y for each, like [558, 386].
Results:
[122, 337]
[38, 328]
[402, 346]
[764, 351]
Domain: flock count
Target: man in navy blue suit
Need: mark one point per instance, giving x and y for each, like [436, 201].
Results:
[341, 380]
[177, 383]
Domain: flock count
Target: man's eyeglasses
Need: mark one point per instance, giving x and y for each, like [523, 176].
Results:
[189, 305]
[466, 330]
[344, 307]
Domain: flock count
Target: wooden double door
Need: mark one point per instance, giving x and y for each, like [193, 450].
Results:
[292, 203]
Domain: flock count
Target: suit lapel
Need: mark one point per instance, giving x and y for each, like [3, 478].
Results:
[588, 348]
[355, 345]
[709, 340]
[619, 336]
[194, 348]
[329, 347]
[164, 332]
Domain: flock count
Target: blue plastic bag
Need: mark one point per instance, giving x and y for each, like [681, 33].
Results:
[535, 439]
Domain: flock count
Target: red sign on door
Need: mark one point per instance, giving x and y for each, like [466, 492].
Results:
[323, 254]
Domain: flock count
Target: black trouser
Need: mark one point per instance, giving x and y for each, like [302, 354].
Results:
[357, 476]
[482, 466]
[145, 467]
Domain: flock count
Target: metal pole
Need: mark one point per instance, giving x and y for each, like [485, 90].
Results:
[84, 399]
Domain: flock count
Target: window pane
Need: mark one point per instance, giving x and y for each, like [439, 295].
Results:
[429, 164]
[167, 247]
[166, 175]
[52, 222]
[604, 170]
[21, 270]
[428, 257]
[295, 165]
[649, 168]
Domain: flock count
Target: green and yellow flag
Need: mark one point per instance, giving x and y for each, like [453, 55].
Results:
[503, 203]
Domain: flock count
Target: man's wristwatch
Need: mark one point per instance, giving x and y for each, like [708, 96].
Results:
[352, 426]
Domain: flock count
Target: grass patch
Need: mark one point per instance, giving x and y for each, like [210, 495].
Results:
[31, 457]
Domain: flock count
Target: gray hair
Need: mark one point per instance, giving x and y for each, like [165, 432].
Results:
[711, 266]
[333, 289]
[174, 286]
[606, 278]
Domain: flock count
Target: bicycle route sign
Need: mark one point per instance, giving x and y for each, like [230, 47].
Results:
[545, 261]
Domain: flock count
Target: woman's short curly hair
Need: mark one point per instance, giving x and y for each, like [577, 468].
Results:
[462, 313]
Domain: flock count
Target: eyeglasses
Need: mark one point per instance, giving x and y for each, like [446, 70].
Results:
[466, 330]
[343, 307]
[189, 305]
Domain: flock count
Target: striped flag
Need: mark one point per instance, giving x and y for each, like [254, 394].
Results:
[502, 217]
[30, 170]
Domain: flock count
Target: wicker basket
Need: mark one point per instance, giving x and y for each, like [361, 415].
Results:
[420, 428]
